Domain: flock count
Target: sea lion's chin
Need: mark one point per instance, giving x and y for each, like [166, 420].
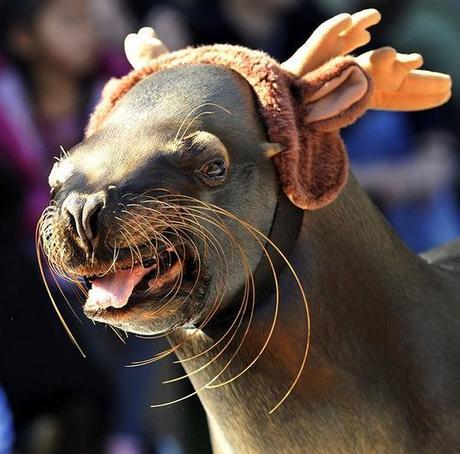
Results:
[152, 296]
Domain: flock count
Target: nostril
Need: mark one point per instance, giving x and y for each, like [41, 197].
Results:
[83, 213]
[71, 217]
[90, 214]
[73, 208]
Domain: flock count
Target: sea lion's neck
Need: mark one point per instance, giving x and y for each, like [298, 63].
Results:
[348, 248]
[356, 274]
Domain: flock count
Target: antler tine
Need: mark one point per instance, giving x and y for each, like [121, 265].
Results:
[336, 37]
[142, 47]
[400, 85]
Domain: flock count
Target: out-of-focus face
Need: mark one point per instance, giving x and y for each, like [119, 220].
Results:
[63, 36]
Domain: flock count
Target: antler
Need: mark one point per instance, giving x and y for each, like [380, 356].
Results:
[338, 36]
[400, 85]
[142, 47]
[398, 82]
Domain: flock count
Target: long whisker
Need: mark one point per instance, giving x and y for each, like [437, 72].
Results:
[190, 222]
[243, 311]
[207, 112]
[172, 349]
[243, 308]
[205, 104]
[239, 317]
[48, 290]
[294, 274]
[216, 305]
[178, 282]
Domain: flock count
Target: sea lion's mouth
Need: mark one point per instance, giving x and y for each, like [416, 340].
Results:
[170, 273]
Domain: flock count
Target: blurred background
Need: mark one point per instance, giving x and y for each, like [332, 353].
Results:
[55, 56]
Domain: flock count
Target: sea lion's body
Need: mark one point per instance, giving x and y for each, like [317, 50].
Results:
[383, 371]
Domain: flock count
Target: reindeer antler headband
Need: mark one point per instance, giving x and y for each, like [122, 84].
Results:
[306, 100]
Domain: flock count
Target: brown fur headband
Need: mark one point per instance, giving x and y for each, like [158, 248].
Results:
[303, 115]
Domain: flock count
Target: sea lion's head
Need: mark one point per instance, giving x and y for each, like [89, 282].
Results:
[134, 201]
[164, 209]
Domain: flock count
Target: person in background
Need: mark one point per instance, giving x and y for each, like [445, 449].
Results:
[47, 72]
[6, 426]
[49, 83]
[410, 174]
[409, 162]
[51, 73]
[57, 55]
[278, 27]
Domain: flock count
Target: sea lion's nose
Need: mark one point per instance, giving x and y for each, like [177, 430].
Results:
[83, 211]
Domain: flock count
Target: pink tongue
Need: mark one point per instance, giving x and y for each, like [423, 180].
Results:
[114, 289]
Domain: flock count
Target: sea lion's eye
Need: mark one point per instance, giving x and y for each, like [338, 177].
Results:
[214, 171]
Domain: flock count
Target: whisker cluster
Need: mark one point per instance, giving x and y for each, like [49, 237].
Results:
[172, 221]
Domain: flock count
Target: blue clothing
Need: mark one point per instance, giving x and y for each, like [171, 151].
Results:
[389, 137]
[6, 426]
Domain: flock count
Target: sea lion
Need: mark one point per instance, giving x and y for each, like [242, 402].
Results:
[172, 209]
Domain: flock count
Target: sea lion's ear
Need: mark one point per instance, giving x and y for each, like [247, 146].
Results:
[329, 98]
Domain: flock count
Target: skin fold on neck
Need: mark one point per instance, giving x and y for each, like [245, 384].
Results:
[369, 363]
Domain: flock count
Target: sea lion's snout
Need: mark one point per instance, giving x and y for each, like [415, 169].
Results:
[135, 246]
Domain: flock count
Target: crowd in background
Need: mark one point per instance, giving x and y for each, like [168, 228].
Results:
[55, 56]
